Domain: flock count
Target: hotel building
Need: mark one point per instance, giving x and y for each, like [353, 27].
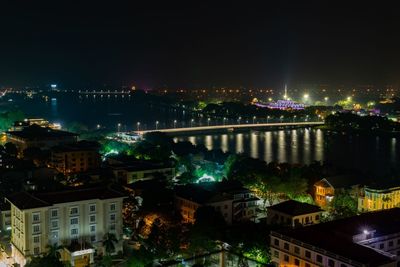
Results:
[76, 220]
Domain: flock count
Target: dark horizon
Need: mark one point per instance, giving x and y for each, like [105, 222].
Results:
[200, 45]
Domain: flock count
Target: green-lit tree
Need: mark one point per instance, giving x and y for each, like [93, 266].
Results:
[109, 241]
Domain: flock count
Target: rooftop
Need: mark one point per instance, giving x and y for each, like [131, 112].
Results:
[35, 131]
[340, 181]
[78, 146]
[295, 208]
[204, 193]
[337, 236]
[31, 200]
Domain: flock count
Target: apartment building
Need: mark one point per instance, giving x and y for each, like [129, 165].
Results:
[76, 157]
[76, 220]
[230, 198]
[370, 239]
[379, 197]
[294, 213]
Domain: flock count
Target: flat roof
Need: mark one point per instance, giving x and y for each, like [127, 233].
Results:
[337, 236]
[36, 131]
[31, 200]
[295, 208]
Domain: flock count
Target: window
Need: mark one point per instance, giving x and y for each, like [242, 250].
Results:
[296, 262]
[74, 231]
[316, 217]
[381, 246]
[276, 242]
[74, 211]
[36, 228]
[112, 207]
[92, 208]
[74, 221]
[286, 246]
[92, 238]
[297, 250]
[92, 218]
[391, 243]
[54, 213]
[92, 228]
[308, 254]
[54, 223]
[343, 265]
[36, 217]
[112, 217]
[331, 263]
[112, 227]
[319, 258]
[36, 250]
[36, 239]
[286, 258]
[276, 254]
[307, 265]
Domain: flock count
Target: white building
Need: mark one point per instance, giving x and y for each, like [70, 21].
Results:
[370, 239]
[76, 219]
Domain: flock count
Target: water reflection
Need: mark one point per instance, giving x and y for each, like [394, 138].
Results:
[304, 146]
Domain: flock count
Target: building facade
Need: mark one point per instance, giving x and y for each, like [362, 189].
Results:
[370, 239]
[76, 220]
[77, 157]
[379, 199]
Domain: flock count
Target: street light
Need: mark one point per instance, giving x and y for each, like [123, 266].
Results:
[294, 118]
[98, 126]
[157, 122]
[208, 122]
[326, 98]
[119, 127]
[223, 121]
[191, 122]
[239, 120]
[254, 118]
[138, 125]
[268, 118]
[306, 119]
[174, 123]
[281, 118]
[306, 96]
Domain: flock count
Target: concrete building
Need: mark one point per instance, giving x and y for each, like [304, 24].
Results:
[379, 197]
[326, 188]
[20, 125]
[294, 213]
[37, 136]
[5, 218]
[76, 157]
[231, 199]
[76, 219]
[370, 239]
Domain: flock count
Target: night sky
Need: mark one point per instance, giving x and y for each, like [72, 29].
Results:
[198, 45]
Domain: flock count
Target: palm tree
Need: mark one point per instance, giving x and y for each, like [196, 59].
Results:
[108, 242]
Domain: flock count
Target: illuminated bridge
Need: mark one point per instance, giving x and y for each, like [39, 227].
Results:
[234, 126]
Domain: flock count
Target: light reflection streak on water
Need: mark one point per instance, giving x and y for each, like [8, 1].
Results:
[239, 143]
[224, 143]
[281, 147]
[268, 147]
[208, 142]
[254, 145]
[294, 146]
[319, 145]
